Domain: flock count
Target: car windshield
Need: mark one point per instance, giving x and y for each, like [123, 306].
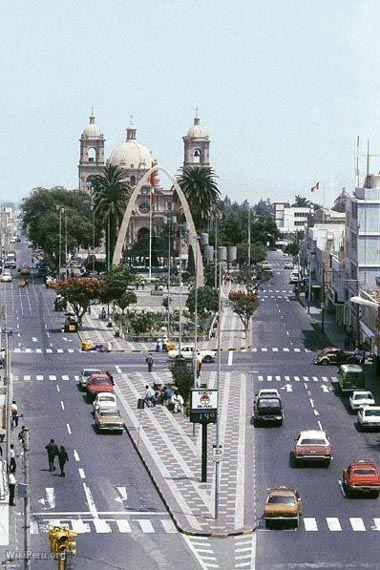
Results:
[90, 372]
[110, 413]
[106, 399]
[373, 413]
[269, 403]
[281, 500]
[313, 441]
[363, 396]
[363, 471]
[99, 381]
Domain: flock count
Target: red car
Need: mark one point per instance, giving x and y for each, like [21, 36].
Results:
[99, 383]
[361, 477]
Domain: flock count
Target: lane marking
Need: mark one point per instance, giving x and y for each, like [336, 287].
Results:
[101, 526]
[145, 525]
[62, 405]
[58, 388]
[357, 524]
[311, 402]
[320, 425]
[68, 428]
[123, 525]
[310, 524]
[81, 473]
[230, 357]
[76, 455]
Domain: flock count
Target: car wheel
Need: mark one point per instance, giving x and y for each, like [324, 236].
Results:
[324, 362]
[207, 359]
[375, 494]
[352, 360]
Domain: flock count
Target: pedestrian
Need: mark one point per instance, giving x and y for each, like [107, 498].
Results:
[52, 451]
[62, 460]
[362, 357]
[21, 440]
[14, 414]
[12, 458]
[150, 396]
[110, 376]
[149, 361]
[12, 482]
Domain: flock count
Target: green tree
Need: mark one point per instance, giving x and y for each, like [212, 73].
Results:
[244, 304]
[110, 193]
[258, 253]
[116, 281]
[80, 293]
[142, 323]
[41, 213]
[264, 230]
[202, 193]
[128, 298]
[207, 300]
[183, 377]
[301, 202]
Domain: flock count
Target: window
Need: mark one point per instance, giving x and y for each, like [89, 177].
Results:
[354, 210]
[300, 223]
[91, 155]
[197, 156]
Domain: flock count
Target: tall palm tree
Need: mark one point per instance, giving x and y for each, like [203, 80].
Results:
[201, 191]
[110, 192]
[301, 202]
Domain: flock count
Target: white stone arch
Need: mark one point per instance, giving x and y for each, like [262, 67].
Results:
[117, 255]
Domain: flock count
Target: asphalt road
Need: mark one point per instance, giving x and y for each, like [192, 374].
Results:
[336, 532]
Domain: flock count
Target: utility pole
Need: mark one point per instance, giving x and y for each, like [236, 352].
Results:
[59, 242]
[216, 255]
[150, 233]
[180, 293]
[169, 253]
[65, 244]
[323, 300]
[217, 432]
[195, 245]
[26, 501]
[109, 241]
[309, 288]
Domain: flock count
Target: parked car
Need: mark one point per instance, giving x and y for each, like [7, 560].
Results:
[369, 417]
[268, 410]
[105, 401]
[312, 446]
[338, 356]
[109, 420]
[268, 393]
[361, 477]
[85, 375]
[97, 383]
[265, 266]
[294, 278]
[6, 277]
[187, 352]
[361, 398]
[282, 505]
[288, 265]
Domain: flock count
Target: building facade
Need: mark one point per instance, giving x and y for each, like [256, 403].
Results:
[155, 203]
[290, 219]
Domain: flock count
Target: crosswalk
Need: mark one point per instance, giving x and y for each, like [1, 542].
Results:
[43, 377]
[300, 378]
[100, 525]
[45, 350]
[336, 524]
[202, 549]
[280, 349]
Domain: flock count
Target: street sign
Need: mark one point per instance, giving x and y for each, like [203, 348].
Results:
[203, 406]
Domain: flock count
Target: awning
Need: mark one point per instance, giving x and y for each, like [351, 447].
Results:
[366, 331]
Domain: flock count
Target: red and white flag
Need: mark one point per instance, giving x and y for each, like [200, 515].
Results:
[315, 187]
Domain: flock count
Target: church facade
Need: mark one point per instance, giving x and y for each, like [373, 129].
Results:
[135, 159]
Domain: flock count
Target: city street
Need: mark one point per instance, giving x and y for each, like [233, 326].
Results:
[107, 495]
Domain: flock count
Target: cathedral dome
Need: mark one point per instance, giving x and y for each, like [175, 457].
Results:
[91, 131]
[131, 154]
[196, 131]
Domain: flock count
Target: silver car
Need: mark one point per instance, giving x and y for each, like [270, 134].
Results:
[85, 375]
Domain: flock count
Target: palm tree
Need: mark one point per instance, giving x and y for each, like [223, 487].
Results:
[110, 193]
[201, 191]
[301, 202]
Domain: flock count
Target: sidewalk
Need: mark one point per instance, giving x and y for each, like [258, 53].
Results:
[333, 331]
[173, 457]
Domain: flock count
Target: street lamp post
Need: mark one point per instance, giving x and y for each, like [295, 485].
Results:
[60, 209]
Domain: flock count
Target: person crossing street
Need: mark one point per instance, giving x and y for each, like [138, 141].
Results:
[149, 360]
[62, 460]
[52, 451]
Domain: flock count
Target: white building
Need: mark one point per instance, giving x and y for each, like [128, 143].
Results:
[289, 218]
[362, 244]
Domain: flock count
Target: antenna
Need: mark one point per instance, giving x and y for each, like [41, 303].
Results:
[92, 110]
[357, 161]
[368, 155]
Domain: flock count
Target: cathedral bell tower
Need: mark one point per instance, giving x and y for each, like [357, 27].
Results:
[196, 146]
[91, 158]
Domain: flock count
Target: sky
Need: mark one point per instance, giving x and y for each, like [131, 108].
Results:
[284, 87]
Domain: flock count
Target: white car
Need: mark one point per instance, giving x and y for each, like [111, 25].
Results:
[105, 401]
[85, 375]
[288, 264]
[6, 277]
[294, 277]
[361, 398]
[369, 417]
[188, 351]
[268, 393]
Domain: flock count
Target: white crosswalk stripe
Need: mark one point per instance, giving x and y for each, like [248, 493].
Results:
[99, 525]
[310, 524]
[270, 378]
[334, 524]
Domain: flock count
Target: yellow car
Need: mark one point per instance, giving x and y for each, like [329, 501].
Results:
[282, 505]
[109, 420]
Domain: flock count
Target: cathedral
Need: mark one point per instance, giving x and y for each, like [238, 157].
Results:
[135, 159]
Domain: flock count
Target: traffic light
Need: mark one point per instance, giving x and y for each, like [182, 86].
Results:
[60, 540]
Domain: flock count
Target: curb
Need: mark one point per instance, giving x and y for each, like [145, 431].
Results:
[186, 531]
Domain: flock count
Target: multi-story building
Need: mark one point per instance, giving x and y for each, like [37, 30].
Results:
[362, 265]
[289, 218]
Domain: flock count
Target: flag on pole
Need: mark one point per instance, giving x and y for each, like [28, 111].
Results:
[315, 187]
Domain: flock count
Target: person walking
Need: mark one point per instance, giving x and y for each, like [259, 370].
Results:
[12, 482]
[14, 414]
[149, 361]
[52, 451]
[12, 458]
[21, 440]
[62, 460]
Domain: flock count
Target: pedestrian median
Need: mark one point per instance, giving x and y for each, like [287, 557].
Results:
[172, 455]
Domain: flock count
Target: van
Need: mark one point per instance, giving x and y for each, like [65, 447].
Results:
[351, 377]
